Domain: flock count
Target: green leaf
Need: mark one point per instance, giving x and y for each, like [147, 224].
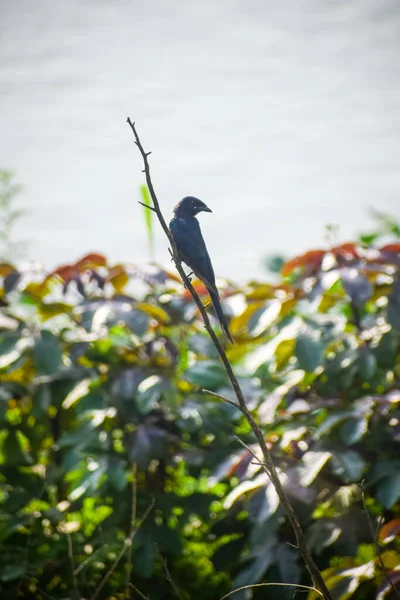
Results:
[207, 373]
[284, 352]
[309, 352]
[263, 504]
[388, 491]
[148, 217]
[89, 481]
[47, 353]
[357, 286]
[345, 582]
[322, 533]
[313, 462]
[387, 349]
[353, 430]
[144, 557]
[11, 572]
[349, 465]
[287, 561]
[41, 400]
[137, 321]
[274, 263]
[393, 314]
[148, 443]
[256, 569]
[12, 450]
[368, 238]
[117, 476]
[93, 401]
[78, 438]
[12, 346]
[367, 364]
[244, 487]
[157, 313]
[148, 393]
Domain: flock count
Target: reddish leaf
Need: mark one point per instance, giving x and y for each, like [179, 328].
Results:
[347, 251]
[68, 274]
[91, 260]
[199, 287]
[311, 259]
[6, 269]
[239, 468]
[389, 531]
[65, 272]
[393, 248]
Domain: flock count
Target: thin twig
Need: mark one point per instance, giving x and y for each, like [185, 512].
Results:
[247, 448]
[87, 560]
[375, 541]
[139, 593]
[45, 594]
[221, 397]
[147, 206]
[131, 530]
[269, 465]
[298, 587]
[127, 542]
[76, 592]
[168, 576]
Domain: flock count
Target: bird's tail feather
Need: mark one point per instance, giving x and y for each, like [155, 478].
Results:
[221, 317]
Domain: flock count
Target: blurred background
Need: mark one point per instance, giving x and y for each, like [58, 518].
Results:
[282, 117]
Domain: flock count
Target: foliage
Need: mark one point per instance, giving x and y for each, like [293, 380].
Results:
[105, 436]
[148, 217]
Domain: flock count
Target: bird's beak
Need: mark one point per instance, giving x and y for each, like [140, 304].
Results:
[206, 209]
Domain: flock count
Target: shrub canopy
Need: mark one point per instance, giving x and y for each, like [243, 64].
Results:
[115, 467]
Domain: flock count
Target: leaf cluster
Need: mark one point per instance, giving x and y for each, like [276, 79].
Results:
[114, 463]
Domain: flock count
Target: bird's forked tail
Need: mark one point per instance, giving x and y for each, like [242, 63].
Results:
[221, 317]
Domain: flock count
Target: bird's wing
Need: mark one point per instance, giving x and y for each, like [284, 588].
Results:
[192, 250]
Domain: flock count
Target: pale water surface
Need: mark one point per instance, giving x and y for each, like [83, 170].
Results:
[282, 116]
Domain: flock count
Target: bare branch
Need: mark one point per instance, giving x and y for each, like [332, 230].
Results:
[298, 587]
[139, 593]
[221, 397]
[168, 576]
[147, 206]
[127, 543]
[269, 466]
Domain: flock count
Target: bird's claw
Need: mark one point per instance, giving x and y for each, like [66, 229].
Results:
[189, 280]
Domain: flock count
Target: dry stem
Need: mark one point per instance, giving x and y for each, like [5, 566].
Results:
[241, 404]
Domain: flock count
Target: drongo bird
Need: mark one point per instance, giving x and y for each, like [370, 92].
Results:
[185, 230]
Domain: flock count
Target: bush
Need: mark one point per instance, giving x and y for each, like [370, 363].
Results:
[117, 470]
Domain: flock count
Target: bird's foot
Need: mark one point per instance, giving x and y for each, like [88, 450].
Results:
[188, 277]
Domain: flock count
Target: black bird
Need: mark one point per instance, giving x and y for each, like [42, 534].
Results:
[185, 230]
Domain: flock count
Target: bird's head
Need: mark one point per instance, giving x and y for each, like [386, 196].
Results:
[189, 207]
